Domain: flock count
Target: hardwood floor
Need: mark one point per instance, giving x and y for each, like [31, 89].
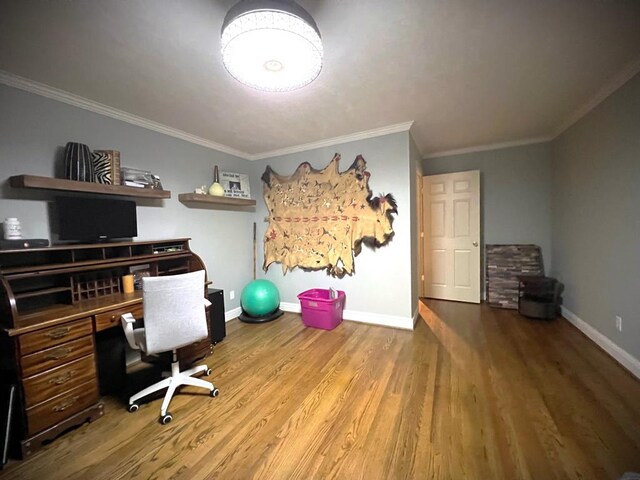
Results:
[473, 392]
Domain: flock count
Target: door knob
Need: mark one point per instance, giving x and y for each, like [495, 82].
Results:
[475, 244]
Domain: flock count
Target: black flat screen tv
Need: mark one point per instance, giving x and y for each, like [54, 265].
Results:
[95, 219]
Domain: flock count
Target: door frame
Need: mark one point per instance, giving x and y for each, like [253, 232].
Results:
[424, 240]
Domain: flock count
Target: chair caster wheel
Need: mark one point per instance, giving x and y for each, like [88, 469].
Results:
[208, 372]
[214, 392]
[166, 419]
[133, 407]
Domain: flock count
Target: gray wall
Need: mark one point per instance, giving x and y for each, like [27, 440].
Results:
[33, 132]
[515, 193]
[596, 219]
[381, 284]
[415, 184]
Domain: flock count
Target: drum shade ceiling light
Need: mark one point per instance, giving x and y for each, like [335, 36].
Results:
[271, 45]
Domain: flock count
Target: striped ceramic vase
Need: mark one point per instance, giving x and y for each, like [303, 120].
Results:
[78, 162]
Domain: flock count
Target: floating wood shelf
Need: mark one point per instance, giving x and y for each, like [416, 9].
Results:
[211, 199]
[47, 183]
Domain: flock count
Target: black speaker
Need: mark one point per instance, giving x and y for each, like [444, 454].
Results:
[216, 315]
[112, 360]
[23, 243]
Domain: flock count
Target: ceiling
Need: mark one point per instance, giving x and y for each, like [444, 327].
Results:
[467, 72]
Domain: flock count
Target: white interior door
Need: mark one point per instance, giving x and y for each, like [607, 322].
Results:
[451, 209]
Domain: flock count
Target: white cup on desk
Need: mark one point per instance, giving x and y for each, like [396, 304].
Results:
[12, 229]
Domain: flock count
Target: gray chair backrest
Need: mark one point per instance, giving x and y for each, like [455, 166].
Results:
[174, 311]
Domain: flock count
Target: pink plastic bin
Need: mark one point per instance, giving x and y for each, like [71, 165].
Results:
[319, 310]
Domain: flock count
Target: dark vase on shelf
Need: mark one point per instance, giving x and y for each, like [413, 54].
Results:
[78, 162]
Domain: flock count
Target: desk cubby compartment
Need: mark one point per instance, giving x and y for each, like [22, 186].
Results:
[178, 247]
[118, 252]
[140, 250]
[88, 254]
[174, 267]
[96, 285]
[17, 261]
[38, 292]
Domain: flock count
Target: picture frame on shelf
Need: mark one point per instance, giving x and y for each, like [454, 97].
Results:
[134, 177]
[106, 167]
[236, 185]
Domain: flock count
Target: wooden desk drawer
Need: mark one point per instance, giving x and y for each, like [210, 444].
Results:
[56, 381]
[63, 406]
[112, 318]
[49, 337]
[55, 356]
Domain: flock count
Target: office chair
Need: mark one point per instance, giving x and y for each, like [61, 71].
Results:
[174, 316]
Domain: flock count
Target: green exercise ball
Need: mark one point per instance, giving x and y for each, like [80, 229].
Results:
[260, 298]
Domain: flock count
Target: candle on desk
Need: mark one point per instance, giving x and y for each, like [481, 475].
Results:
[127, 284]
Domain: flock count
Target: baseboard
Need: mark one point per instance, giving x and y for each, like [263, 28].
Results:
[623, 357]
[403, 323]
[395, 321]
[416, 315]
[231, 314]
[290, 307]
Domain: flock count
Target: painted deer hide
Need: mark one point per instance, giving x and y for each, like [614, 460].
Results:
[318, 219]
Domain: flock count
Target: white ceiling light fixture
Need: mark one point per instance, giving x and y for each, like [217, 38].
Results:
[271, 45]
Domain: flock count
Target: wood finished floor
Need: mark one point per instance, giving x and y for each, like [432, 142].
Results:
[472, 393]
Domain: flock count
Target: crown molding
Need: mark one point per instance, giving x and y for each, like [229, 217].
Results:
[490, 146]
[329, 142]
[617, 81]
[47, 91]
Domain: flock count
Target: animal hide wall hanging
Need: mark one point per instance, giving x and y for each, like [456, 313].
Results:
[318, 219]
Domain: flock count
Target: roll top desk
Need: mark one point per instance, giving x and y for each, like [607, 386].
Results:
[54, 302]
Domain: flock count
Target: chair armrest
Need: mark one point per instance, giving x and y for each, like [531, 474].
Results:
[127, 321]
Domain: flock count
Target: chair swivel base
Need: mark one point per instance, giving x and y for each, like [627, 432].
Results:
[171, 383]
